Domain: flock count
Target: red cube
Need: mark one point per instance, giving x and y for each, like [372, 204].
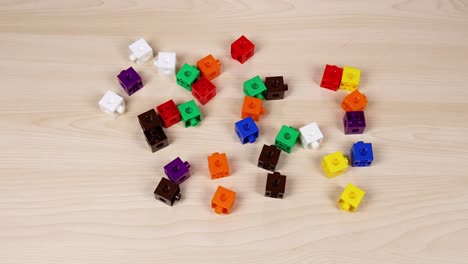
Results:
[331, 77]
[203, 90]
[169, 113]
[242, 49]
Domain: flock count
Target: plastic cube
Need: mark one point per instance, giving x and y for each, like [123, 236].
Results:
[361, 154]
[187, 75]
[355, 101]
[156, 138]
[167, 192]
[252, 107]
[166, 63]
[112, 104]
[246, 130]
[275, 185]
[218, 165]
[286, 138]
[351, 198]
[130, 81]
[269, 157]
[169, 113]
[331, 78]
[140, 51]
[354, 122]
[223, 200]
[242, 49]
[177, 170]
[255, 87]
[190, 113]
[275, 88]
[311, 136]
[203, 90]
[149, 120]
[334, 164]
[209, 67]
[350, 79]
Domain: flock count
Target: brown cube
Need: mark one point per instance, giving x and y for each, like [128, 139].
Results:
[275, 185]
[167, 192]
[269, 157]
[156, 138]
[275, 87]
[149, 119]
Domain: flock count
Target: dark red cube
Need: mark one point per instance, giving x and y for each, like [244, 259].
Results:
[331, 77]
[203, 90]
[169, 113]
[242, 49]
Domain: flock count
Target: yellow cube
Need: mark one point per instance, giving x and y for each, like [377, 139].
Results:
[350, 198]
[350, 79]
[334, 164]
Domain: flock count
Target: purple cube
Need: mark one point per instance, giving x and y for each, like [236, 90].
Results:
[130, 81]
[177, 170]
[354, 122]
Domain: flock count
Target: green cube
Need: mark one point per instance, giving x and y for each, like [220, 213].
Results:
[187, 75]
[255, 87]
[286, 138]
[190, 113]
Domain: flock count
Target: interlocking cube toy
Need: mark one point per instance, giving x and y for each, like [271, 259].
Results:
[130, 81]
[203, 90]
[252, 107]
[331, 78]
[190, 113]
[169, 113]
[218, 165]
[311, 136]
[354, 122]
[255, 87]
[112, 104]
[166, 63]
[361, 154]
[177, 170]
[140, 51]
[156, 138]
[350, 79]
[286, 138]
[223, 200]
[334, 164]
[354, 101]
[269, 157]
[187, 75]
[242, 49]
[351, 198]
[246, 130]
[149, 120]
[167, 192]
[209, 67]
[275, 88]
[275, 185]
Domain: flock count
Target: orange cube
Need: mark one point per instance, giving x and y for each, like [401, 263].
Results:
[222, 201]
[252, 107]
[354, 101]
[209, 67]
[218, 165]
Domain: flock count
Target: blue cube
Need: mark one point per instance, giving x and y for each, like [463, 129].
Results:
[361, 154]
[246, 130]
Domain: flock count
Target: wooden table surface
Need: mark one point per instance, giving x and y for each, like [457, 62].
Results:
[77, 186]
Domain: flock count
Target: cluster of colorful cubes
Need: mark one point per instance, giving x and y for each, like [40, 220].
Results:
[199, 81]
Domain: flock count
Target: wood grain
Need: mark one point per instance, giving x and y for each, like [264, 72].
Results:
[76, 186]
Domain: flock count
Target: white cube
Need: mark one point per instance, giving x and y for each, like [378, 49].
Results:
[166, 63]
[311, 136]
[112, 103]
[140, 51]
